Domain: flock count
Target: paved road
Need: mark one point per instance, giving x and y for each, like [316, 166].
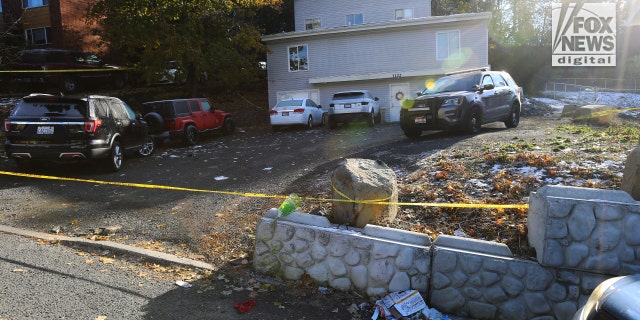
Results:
[44, 281]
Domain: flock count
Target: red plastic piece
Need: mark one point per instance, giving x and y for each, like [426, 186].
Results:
[244, 306]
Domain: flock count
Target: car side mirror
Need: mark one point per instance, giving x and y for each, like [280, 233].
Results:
[489, 86]
[319, 107]
[418, 93]
[476, 87]
[376, 99]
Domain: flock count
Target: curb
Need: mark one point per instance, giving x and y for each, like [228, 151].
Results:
[150, 254]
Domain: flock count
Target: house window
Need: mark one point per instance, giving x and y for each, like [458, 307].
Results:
[34, 3]
[353, 19]
[447, 45]
[310, 24]
[404, 14]
[38, 35]
[298, 58]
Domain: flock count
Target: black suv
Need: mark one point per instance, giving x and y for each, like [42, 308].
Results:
[67, 69]
[463, 101]
[44, 127]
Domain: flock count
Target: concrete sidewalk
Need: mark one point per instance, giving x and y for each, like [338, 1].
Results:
[150, 254]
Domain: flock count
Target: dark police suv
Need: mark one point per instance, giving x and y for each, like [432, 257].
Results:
[463, 101]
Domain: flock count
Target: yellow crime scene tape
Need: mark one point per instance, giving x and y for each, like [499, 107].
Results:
[273, 196]
[63, 70]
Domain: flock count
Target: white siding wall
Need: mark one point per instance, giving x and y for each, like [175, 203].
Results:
[391, 50]
[333, 12]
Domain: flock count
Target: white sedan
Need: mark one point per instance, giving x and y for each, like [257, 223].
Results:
[296, 112]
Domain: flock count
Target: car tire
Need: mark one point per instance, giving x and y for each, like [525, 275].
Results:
[474, 121]
[332, 122]
[514, 117]
[191, 135]
[379, 118]
[155, 122]
[412, 133]
[69, 84]
[147, 148]
[309, 123]
[113, 162]
[228, 127]
[324, 120]
[371, 121]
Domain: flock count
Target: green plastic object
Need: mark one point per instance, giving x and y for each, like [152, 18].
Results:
[290, 204]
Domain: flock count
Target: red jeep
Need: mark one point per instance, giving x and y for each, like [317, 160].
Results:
[185, 118]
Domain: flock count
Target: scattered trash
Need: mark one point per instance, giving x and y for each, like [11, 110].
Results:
[404, 305]
[244, 306]
[460, 233]
[184, 284]
[289, 205]
[218, 178]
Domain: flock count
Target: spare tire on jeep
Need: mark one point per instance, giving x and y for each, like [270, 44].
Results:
[155, 122]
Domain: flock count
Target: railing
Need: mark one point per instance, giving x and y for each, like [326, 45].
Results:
[593, 85]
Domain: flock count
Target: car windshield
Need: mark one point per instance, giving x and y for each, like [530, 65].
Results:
[289, 103]
[462, 82]
[348, 95]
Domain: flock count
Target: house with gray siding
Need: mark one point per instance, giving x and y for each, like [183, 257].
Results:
[391, 48]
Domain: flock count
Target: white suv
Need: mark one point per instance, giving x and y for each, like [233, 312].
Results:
[350, 105]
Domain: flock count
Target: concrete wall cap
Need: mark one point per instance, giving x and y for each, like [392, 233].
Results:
[403, 236]
[473, 245]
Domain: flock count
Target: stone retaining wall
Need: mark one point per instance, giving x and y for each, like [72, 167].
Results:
[461, 276]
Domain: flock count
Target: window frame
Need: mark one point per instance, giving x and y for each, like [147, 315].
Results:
[355, 21]
[298, 66]
[315, 23]
[451, 54]
[404, 15]
[26, 4]
[29, 38]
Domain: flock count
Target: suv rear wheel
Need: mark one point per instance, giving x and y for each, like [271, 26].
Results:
[191, 135]
[514, 117]
[114, 161]
[474, 122]
[228, 127]
[147, 147]
[372, 119]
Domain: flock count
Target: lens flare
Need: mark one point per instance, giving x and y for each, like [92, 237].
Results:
[407, 103]
[459, 59]
[430, 83]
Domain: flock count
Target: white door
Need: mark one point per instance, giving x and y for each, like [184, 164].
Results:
[398, 93]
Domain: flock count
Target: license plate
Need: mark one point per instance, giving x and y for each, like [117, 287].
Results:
[347, 105]
[45, 130]
[422, 119]
[285, 114]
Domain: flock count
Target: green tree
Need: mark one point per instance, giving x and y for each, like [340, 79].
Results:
[215, 38]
